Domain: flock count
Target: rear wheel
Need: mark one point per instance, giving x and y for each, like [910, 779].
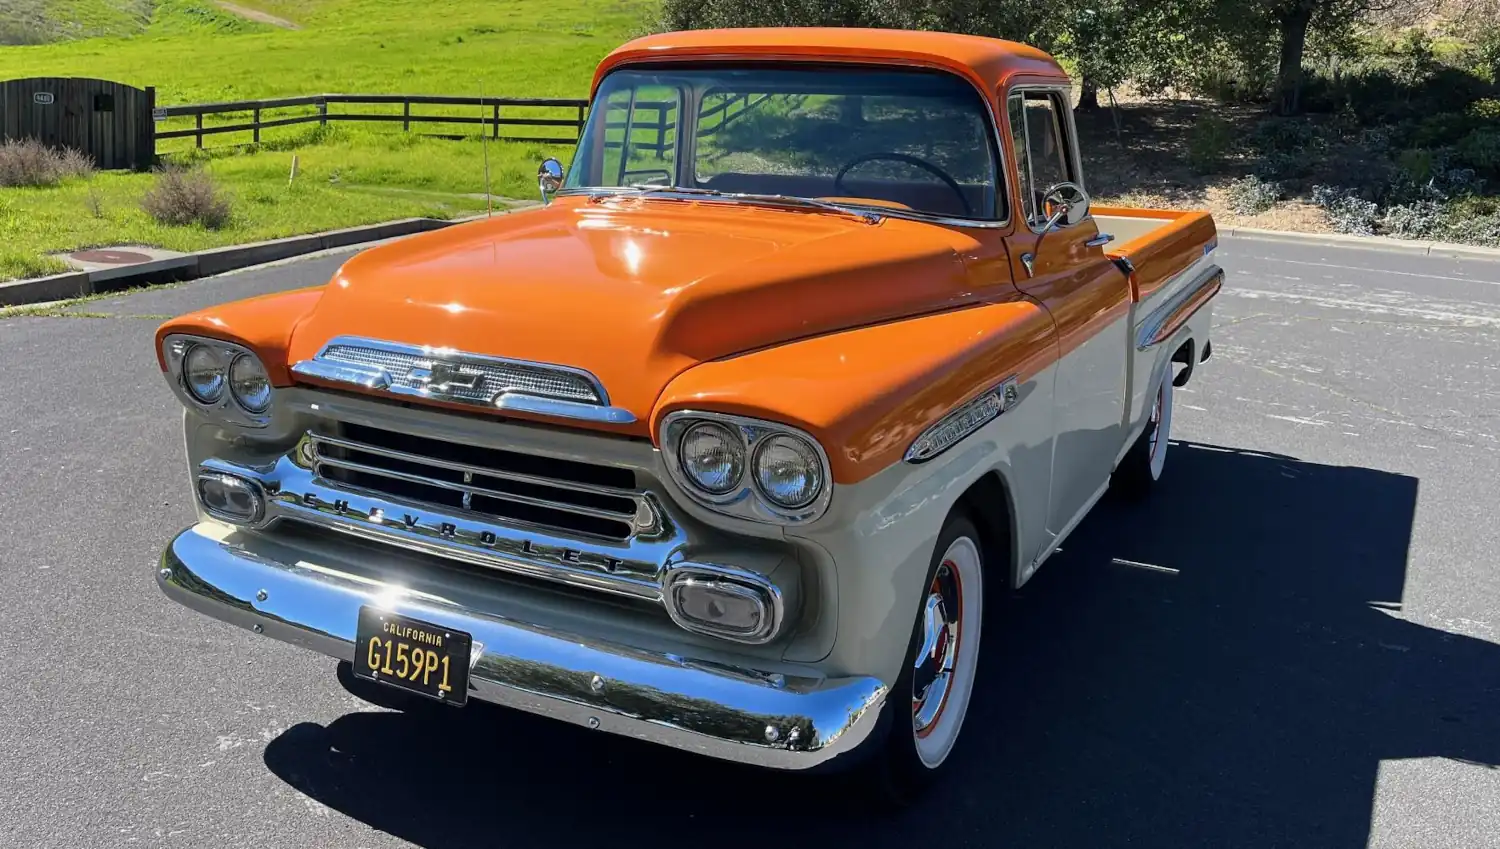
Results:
[1146, 460]
[931, 696]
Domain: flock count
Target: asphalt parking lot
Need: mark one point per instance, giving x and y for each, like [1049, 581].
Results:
[1296, 643]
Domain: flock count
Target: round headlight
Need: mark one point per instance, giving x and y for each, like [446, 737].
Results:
[713, 458]
[250, 384]
[203, 374]
[788, 472]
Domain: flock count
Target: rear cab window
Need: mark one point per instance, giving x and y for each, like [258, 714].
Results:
[1043, 148]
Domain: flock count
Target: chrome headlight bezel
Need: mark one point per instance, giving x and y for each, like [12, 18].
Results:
[744, 500]
[226, 407]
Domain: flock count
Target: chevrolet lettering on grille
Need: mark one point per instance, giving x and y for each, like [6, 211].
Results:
[483, 538]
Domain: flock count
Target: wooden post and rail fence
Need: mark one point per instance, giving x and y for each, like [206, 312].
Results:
[651, 122]
[121, 126]
[495, 113]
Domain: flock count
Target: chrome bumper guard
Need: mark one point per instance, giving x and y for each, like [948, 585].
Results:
[769, 720]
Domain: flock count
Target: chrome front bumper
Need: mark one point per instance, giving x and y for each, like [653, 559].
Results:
[772, 720]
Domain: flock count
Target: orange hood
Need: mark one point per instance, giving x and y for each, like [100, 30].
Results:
[638, 290]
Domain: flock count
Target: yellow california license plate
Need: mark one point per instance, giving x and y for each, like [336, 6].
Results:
[412, 655]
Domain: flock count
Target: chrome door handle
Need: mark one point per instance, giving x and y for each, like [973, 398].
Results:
[1099, 241]
[1028, 259]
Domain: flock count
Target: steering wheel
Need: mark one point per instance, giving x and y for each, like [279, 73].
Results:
[838, 179]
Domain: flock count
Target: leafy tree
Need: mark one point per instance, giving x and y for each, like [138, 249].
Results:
[1254, 29]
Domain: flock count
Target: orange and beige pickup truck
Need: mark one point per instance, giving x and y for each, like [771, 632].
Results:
[814, 352]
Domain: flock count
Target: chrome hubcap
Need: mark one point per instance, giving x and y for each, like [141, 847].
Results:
[932, 678]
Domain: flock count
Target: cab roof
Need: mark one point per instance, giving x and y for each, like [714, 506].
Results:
[987, 62]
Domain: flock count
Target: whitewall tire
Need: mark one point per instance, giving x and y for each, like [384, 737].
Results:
[931, 696]
[1146, 460]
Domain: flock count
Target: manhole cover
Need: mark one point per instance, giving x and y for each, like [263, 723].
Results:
[110, 257]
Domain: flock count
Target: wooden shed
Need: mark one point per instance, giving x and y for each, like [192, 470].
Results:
[109, 121]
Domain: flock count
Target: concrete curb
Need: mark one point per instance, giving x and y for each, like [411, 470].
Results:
[76, 284]
[1386, 243]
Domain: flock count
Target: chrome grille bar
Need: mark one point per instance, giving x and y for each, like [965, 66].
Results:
[577, 498]
[467, 468]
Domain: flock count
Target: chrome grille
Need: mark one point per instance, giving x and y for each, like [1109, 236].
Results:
[563, 495]
[411, 370]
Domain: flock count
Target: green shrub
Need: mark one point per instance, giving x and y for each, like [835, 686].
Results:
[1424, 219]
[1439, 130]
[1289, 135]
[1208, 143]
[1475, 206]
[1278, 165]
[1487, 109]
[1347, 212]
[1487, 53]
[1418, 163]
[1252, 195]
[1480, 150]
[1476, 230]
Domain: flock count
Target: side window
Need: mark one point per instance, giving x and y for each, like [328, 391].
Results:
[640, 136]
[1042, 152]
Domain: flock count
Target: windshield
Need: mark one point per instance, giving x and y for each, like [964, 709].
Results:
[912, 138]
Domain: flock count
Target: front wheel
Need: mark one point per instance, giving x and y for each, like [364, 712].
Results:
[1146, 460]
[931, 695]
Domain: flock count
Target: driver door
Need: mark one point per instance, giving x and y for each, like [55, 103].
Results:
[1066, 270]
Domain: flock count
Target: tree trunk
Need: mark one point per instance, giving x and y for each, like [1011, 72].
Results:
[1289, 73]
[852, 112]
[1088, 95]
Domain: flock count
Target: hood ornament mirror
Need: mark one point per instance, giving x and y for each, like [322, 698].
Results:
[549, 178]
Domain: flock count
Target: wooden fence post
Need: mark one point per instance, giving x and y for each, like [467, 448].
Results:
[496, 133]
[200, 130]
[322, 113]
[406, 116]
[257, 125]
[148, 146]
[580, 123]
[661, 133]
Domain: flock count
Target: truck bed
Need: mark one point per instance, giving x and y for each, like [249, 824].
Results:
[1158, 243]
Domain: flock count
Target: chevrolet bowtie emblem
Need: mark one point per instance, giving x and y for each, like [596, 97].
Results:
[445, 376]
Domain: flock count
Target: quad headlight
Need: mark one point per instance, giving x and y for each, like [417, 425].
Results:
[748, 468]
[203, 373]
[250, 384]
[788, 471]
[221, 378]
[713, 458]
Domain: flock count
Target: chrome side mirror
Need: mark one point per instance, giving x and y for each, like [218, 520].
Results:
[1067, 204]
[549, 178]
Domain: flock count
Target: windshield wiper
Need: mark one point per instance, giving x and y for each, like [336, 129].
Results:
[749, 197]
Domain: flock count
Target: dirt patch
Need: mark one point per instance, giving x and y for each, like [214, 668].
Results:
[256, 15]
[1137, 155]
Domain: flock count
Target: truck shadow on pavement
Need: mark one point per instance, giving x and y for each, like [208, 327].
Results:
[1222, 666]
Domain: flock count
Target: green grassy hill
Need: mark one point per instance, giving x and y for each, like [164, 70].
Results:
[40, 21]
[194, 50]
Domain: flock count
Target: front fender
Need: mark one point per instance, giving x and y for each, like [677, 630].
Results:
[866, 394]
